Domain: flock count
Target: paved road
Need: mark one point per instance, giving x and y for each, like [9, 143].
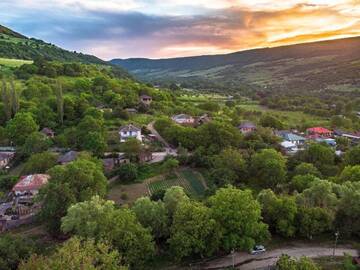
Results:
[245, 261]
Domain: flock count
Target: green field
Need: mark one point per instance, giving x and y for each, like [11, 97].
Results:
[187, 179]
[13, 62]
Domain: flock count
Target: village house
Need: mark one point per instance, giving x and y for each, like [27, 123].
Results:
[5, 158]
[48, 132]
[183, 119]
[112, 162]
[146, 100]
[247, 127]
[67, 157]
[130, 131]
[318, 132]
[291, 137]
[289, 147]
[30, 185]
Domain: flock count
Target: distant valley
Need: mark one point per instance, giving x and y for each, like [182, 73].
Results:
[326, 65]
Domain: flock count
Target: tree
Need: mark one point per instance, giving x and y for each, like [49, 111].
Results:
[302, 182]
[321, 156]
[36, 142]
[127, 172]
[194, 231]
[19, 128]
[77, 254]
[100, 219]
[60, 102]
[152, 215]
[228, 167]
[95, 143]
[173, 196]
[278, 212]
[320, 194]
[350, 173]
[132, 148]
[306, 168]
[13, 249]
[268, 168]
[285, 262]
[6, 99]
[348, 212]
[314, 221]
[39, 163]
[352, 157]
[239, 216]
[75, 182]
[271, 121]
[170, 165]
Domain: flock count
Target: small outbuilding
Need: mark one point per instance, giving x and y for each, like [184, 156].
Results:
[247, 127]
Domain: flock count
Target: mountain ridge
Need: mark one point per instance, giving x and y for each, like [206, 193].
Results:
[256, 68]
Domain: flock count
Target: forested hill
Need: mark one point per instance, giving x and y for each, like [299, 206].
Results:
[16, 46]
[311, 66]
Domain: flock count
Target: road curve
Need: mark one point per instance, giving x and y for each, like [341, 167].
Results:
[245, 261]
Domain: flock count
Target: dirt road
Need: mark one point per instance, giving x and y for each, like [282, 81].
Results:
[245, 261]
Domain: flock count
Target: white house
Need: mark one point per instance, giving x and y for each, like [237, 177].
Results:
[183, 119]
[289, 147]
[129, 131]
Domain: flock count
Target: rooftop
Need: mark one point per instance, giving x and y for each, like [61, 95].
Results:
[247, 124]
[31, 182]
[68, 157]
[319, 130]
[181, 116]
[129, 127]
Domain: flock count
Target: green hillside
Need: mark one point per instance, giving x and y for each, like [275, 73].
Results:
[333, 65]
[16, 46]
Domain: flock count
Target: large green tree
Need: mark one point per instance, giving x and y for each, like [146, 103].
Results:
[173, 197]
[239, 216]
[152, 215]
[75, 182]
[77, 254]
[194, 231]
[278, 212]
[13, 249]
[268, 168]
[20, 127]
[100, 219]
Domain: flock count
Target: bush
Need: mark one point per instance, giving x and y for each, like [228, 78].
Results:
[127, 172]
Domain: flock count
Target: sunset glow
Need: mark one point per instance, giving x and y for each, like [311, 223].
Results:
[155, 28]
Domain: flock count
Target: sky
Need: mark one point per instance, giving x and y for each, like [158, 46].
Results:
[172, 28]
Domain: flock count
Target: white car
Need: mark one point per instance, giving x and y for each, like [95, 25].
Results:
[257, 250]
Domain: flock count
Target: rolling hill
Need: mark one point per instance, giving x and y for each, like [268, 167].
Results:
[17, 46]
[333, 64]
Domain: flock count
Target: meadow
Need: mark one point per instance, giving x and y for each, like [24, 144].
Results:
[13, 62]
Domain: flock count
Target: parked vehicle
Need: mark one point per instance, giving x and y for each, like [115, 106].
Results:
[258, 249]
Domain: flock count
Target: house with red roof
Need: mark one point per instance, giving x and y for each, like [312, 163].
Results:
[318, 132]
[30, 184]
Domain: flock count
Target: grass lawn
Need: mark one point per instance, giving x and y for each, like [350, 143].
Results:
[14, 62]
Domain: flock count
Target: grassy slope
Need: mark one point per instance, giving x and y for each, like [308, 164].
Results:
[13, 62]
[16, 46]
[312, 66]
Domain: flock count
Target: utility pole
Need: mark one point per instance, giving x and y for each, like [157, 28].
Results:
[233, 258]
[336, 239]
